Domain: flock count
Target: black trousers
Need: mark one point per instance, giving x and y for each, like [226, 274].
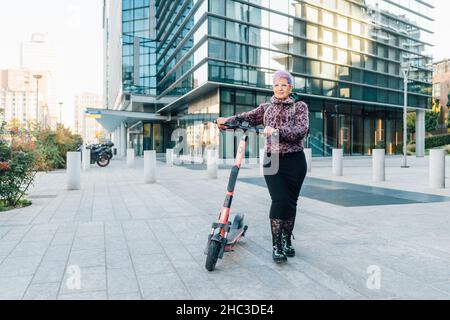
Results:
[285, 185]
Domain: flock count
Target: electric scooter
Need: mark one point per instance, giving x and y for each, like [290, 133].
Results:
[224, 234]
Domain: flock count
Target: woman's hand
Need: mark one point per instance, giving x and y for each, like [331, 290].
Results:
[221, 121]
[269, 131]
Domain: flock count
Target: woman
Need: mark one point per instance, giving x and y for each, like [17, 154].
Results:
[286, 121]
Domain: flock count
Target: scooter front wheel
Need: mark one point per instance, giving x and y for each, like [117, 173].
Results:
[213, 255]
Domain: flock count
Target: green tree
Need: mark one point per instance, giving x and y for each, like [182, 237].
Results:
[411, 122]
[431, 121]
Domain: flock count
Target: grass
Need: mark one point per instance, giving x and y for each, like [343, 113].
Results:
[21, 204]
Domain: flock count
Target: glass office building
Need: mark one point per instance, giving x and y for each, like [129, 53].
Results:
[215, 57]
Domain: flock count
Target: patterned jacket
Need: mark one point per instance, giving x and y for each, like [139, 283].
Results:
[291, 118]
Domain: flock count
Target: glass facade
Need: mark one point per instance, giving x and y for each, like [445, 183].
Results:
[138, 49]
[345, 56]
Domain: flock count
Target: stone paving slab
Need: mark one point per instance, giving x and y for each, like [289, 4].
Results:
[124, 240]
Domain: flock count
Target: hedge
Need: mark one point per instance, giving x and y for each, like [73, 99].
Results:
[436, 141]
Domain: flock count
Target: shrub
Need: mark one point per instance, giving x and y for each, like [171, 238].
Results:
[436, 141]
[380, 145]
[16, 175]
[17, 162]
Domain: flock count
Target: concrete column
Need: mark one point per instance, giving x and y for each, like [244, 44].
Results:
[73, 171]
[261, 161]
[437, 168]
[212, 164]
[86, 158]
[252, 141]
[169, 157]
[130, 158]
[150, 166]
[420, 133]
[338, 166]
[123, 140]
[308, 156]
[229, 147]
[379, 165]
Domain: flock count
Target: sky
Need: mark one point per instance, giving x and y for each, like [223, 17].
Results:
[75, 28]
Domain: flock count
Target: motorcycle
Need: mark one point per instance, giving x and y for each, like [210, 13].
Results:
[100, 153]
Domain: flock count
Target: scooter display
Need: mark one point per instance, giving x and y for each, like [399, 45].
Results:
[224, 234]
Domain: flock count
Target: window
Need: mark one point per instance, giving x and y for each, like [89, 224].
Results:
[327, 19]
[356, 27]
[217, 6]
[312, 50]
[342, 40]
[329, 88]
[327, 53]
[255, 36]
[327, 36]
[437, 90]
[312, 32]
[216, 49]
[344, 90]
[328, 70]
[356, 44]
[312, 14]
[217, 27]
[342, 24]
[342, 56]
[237, 10]
[236, 52]
[356, 60]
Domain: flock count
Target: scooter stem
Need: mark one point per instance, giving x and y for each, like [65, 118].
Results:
[224, 215]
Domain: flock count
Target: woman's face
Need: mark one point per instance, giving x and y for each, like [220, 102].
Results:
[282, 89]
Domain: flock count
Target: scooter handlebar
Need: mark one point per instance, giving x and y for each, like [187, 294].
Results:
[237, 124]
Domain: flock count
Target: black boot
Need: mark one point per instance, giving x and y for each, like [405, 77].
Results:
[278, 254]
[287, 228]
[288, 249]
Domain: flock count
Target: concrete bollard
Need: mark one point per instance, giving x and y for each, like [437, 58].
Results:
[212, 164]
[130, 158]
[308, 156]
[437, 168]
[86, 159]
[379, 165]
[149, 166]
[169, 157]
[338, 165]
[73, 171]
[261, 161]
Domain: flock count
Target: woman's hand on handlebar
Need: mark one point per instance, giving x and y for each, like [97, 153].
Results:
[221, 121]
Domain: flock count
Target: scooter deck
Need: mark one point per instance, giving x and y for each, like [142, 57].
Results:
[234, 236]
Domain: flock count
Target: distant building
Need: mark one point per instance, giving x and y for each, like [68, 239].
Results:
[18, 90]
[94, 131]
[441, 89]
[40, 56]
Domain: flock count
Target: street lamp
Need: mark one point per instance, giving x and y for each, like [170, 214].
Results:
[406, 67]
[60, 112]
[37, 77]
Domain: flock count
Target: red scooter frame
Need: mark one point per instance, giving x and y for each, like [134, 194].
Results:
[224, 235]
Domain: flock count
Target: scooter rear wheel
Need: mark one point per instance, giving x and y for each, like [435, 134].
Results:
[213, 255]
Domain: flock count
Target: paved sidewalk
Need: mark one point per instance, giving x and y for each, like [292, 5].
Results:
[128, 240]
